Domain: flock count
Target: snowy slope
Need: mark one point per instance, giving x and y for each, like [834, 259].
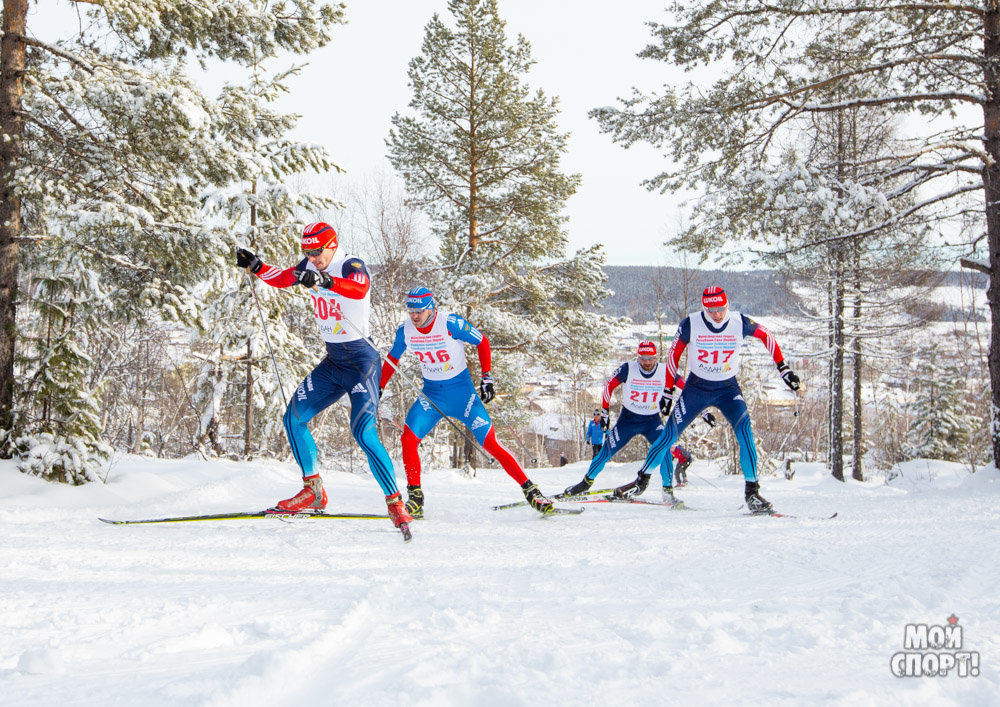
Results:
[622, 605]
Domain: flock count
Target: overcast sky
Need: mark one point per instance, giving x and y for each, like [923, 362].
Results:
[586, 56]
[585, 53]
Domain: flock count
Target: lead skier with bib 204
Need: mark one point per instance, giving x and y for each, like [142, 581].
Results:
[438, 340]
[341, 302]
[715, 336]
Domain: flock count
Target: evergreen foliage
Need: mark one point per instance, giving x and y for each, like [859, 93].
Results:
[481, 155]
[122, 153]
[784, 66]
[942, 424]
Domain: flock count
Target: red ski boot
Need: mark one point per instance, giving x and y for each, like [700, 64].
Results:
[311, 497]
[400, 518]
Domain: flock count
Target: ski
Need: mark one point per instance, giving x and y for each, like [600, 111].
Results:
[564, 511]
[775, 514]
[679, 506]
[404, 528]
[252, 515]
[557, 497]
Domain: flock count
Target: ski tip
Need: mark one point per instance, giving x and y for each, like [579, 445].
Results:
[404, 528]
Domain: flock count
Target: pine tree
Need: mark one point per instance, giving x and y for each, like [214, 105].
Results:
[113, 150]
[782, 65]
[481, 155]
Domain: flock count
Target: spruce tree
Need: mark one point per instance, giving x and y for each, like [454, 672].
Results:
[942, 425]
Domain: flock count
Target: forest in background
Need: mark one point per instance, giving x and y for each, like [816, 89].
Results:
[640, 291]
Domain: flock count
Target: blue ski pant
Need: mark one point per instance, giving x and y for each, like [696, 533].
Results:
[357, 376]
[627, 426]
[456, 398]
[693, 400]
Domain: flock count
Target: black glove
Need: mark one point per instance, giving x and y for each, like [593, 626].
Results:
[486, 391]
[667, 401]
[311, 278]
[605, 421]
[788, 375]
[709, 418]
[246, 259]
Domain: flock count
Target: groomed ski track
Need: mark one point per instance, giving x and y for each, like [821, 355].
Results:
[625, 604]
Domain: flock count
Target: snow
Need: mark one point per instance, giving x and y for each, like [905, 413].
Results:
[622, 605]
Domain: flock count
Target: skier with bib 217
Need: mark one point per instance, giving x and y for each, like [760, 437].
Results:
[438, 339]
[341, 301]
[714, 338]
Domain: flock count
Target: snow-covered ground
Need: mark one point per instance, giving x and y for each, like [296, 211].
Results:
[621, 605]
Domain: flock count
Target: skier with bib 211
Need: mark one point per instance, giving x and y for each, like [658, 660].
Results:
[642, 380]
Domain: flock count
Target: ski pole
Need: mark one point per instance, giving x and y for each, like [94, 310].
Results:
[263, 325]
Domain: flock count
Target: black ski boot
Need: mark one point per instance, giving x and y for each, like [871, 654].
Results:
[633, 488]
[415, 501]
[757, 504]
[535, 498]
[580, 488]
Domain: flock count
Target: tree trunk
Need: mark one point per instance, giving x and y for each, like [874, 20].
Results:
[473, 160]
[837, 377]
[15, 14]
[991, 183]
[857, 472]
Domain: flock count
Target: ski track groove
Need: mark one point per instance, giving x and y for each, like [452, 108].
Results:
[624, 604]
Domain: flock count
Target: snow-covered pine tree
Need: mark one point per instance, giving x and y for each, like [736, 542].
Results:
[266, 216]
[481, 154]
[61, 440]
[109, 152]
[942, 424]
[779, 64]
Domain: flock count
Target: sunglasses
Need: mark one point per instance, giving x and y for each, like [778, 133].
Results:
[713, 310]
[313, 253]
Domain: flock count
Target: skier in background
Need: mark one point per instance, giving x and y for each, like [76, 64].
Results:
[715, 336]
[438, 339]
[341, 301]
[640, 379]
[595, 432]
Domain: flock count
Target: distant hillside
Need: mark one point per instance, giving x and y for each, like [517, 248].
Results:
[760, 292]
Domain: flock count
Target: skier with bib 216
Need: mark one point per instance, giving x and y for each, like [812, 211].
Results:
[341, 301]
[714, 338]
[438, 339]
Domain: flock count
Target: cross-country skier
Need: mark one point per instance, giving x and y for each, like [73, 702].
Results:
[641, 379]
[437, 339]
[341, 301]
[595, 433]
[715, 337]
[684, 460]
